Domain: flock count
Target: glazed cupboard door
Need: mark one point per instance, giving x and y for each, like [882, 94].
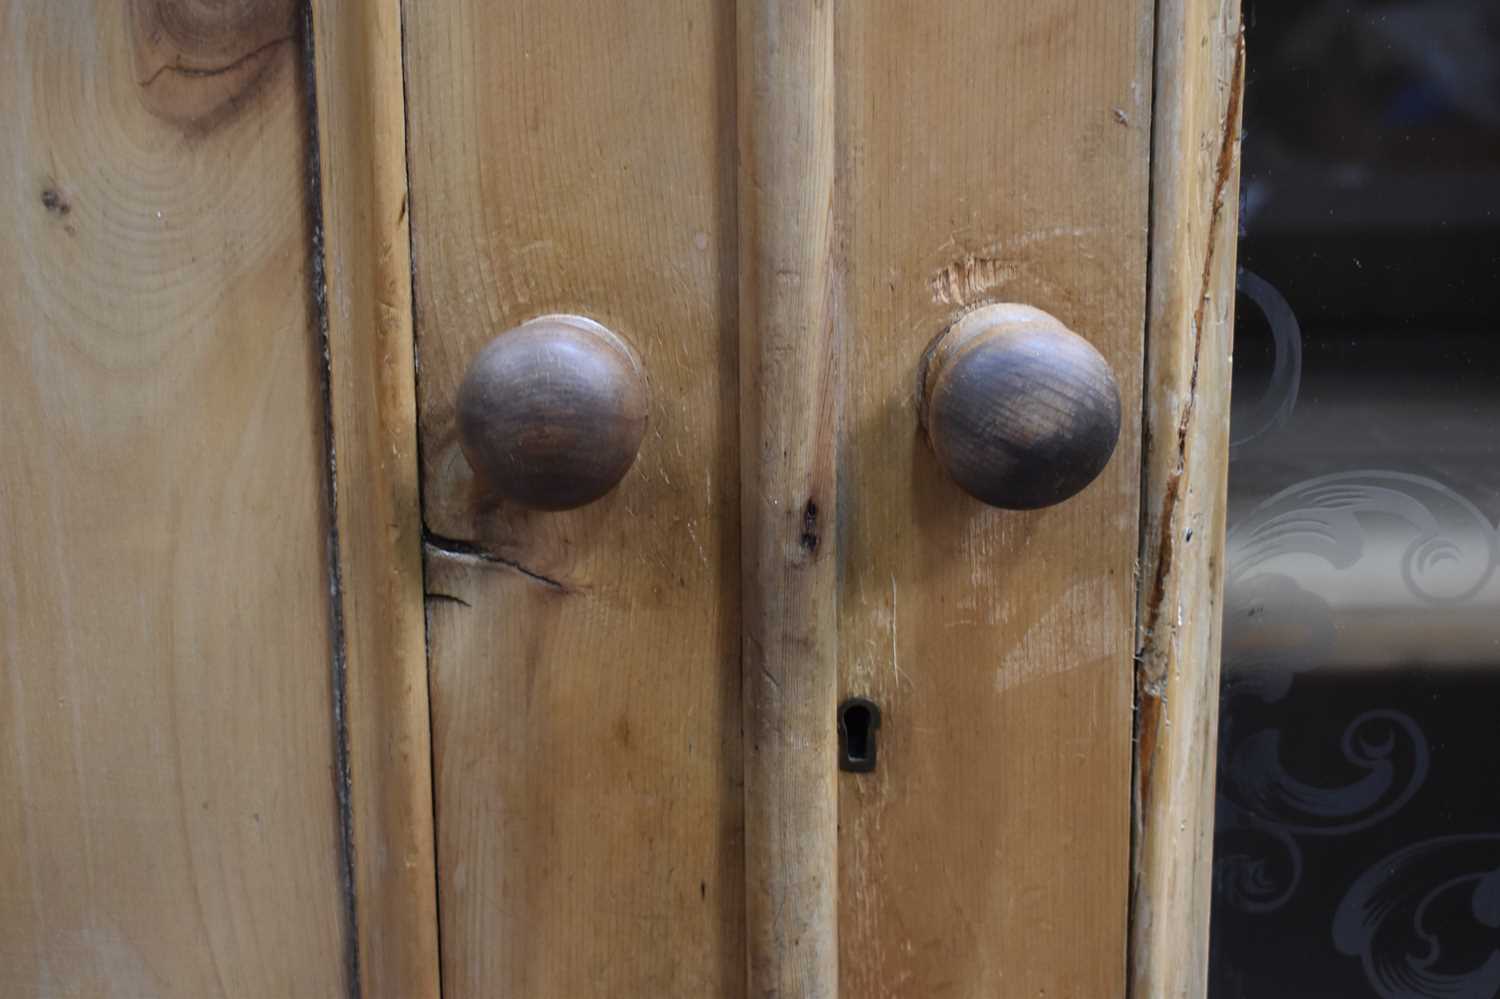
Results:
[800, 533]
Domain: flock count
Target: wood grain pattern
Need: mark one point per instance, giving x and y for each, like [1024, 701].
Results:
[987, 156]
[1020, 411]
[790, 395]
[372, 416]
[1195, 191]
[167, 751]
[579, 157]
[198, 61]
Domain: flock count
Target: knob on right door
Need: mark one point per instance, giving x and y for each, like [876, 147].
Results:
[1021, 411]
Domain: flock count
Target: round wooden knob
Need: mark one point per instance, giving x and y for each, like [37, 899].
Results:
[551, 413]
[1021, 411]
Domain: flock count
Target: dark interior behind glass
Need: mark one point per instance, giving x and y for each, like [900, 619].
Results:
[1357, 835]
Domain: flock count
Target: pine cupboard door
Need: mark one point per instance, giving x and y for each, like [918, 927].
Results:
[776, 646]
[576, 158]
[556, 499]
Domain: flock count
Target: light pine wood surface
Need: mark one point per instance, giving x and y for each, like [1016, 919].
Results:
[364, 212]
[987, 156]
[1195, 223]
[577, 157]
[294, 705]
[977, 159]
[790, 390]
[166, 734]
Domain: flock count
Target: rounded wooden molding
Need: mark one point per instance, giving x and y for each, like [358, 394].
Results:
[1021, 411]
[551, 414]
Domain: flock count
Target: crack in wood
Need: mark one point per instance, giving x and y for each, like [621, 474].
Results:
[1167, 547]
[1151, 669]
[200, 72]
[455, 548]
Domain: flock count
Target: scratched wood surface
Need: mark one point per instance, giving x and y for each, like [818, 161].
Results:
[169, 826]
[579, 157]
[1195, 208]
[987, 155]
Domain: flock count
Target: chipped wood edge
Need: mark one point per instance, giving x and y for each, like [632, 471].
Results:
[789, 415]
[361, 148]
[1195, 201]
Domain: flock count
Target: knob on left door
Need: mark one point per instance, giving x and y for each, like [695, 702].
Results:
[551, 414]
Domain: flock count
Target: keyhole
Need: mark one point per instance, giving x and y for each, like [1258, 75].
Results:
[859, 719]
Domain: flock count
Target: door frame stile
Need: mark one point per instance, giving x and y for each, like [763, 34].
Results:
[365, 240]
[1199, 74]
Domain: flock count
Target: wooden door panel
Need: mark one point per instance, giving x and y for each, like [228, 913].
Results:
[987, 155]
[586, 665]
[578, 157]
[166, 668]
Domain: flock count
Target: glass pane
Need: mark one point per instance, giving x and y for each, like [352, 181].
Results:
[1357, 839]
